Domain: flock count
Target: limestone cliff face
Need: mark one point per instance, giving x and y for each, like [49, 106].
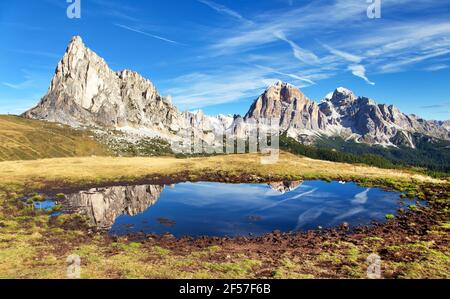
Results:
[102, 206]
[341, 113]
[363, 120]
[85, 92]
[291, 106]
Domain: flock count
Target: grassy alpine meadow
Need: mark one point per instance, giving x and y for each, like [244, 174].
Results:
[25, 139]
[414, 244]
[84, 170]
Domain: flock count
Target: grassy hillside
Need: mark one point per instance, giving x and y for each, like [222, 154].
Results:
[431, 155]
[24, 139]
[93, 170]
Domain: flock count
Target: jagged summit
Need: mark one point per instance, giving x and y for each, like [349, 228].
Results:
[75, 42]
[290, 105]
[76, 39]
[84, 91]
[340, 96]
[343, 90]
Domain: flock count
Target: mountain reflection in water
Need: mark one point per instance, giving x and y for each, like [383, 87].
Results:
[217, 209]
[102, 206]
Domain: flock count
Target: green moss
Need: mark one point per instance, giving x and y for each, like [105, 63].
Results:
[161, 251]
[330, 257]
[214, 248]
[413, 207]
[411, 194]
[352, 254]
[239, 269]
[432, 263]
[353, 271]
[132, 246]
[60, 196]
[390, 216]
[291, 270]
[446, 225]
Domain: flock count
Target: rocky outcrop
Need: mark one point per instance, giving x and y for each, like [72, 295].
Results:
[363, 120]
[207, 123]
[445, 125]
[298, 115]
[341, 113]
[85, 92]
[102, 206]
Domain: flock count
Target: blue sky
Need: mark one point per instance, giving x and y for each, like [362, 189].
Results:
[219, 55]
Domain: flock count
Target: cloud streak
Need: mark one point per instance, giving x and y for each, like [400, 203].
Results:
[442, 105]
[344, 55]
[353, 44]
[301, 54]
[224, 10]
[136, 30]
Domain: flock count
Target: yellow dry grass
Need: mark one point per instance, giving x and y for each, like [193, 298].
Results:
[109, 169]
[24, 139]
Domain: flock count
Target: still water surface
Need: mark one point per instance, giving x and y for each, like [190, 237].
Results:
[217, 209]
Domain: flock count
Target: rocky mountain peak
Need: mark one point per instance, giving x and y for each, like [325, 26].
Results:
[341, 97]
[284, 92]
[85, 92]
[77, 52]
[285, 102]
[276, 99]
[76, 42]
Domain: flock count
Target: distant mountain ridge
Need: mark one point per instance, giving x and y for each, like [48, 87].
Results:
[86, 92]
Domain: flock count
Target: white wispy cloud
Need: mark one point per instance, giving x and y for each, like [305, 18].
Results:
[398, 65]
[21, 85]
[310, 16]
[224, 10]
[360, 71]
[437, 67]
[218, 84]
[137, 30]
[292, 76]
[347, 56]
[301, 54]
[198, 90]
[353, 43]
[302, 42]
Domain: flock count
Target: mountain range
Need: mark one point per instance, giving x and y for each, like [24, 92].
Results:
[85, 92]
